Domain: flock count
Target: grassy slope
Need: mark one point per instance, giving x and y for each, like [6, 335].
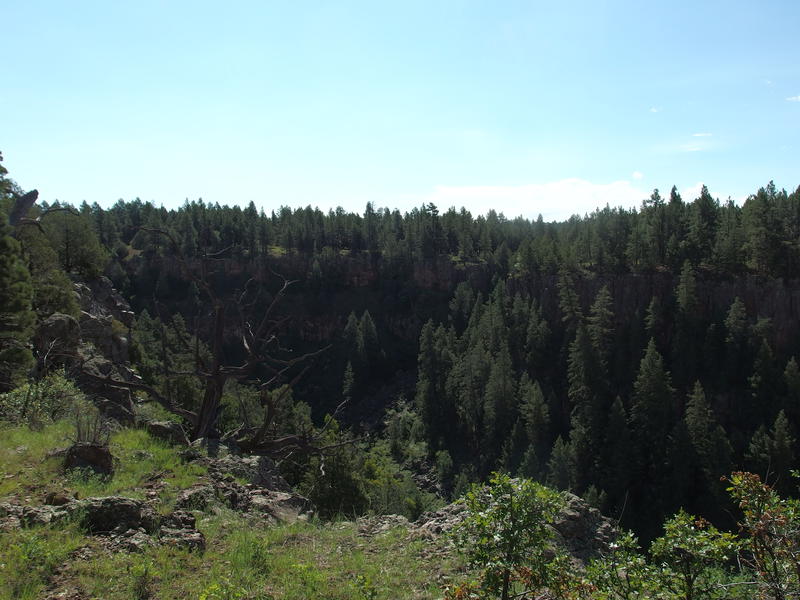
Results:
[243, 560]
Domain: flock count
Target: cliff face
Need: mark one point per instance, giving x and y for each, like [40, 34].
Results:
[401, 298]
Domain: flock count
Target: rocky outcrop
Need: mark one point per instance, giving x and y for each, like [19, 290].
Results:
[126, 524]
[113, 401]
[582, 530]
[56, 338]
[99, 298]
[271, 505]
[117, 514]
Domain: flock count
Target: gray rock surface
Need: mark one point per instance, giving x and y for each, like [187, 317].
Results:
[57, 337]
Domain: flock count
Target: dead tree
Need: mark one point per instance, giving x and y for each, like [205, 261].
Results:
[261, 349]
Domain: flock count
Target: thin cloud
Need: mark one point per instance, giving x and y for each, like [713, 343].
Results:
[637, 175]
[655, 109]
[702, 134]
[793, 99]
[554, 200]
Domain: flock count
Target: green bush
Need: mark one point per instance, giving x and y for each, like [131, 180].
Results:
[39, 402]
[505, 535]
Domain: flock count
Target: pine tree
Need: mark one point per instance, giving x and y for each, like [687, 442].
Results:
[561, 466]
[16, 315]
[652, 408]
[711, 447]
[686, 345]
[736, 346]
[601, 325]
[615, 460]
[535, 415]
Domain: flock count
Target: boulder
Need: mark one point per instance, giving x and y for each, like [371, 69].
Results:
[582, 530]
[99, 297]
[14, 516]
[169, 431]
[100, 331]
[190, 539]
[260, 471]
[95, 457]
[283, 507]
[113, 401]
[57, 337]
[197, 497]
[116, 513]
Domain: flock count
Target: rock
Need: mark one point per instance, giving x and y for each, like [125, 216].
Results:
[179, 519]
[197, 497]
[582, 530]
[57, 499]
[578, 528]
[283, 507]
[260, 471]
[95, 457]
[434, 524]
[133, 540]
[113, 401]
[116, 513]
[371, 526]
[99, 297]
[183, 538]
[167, 430]
[58, 335]
[14, 516]
[105, 336]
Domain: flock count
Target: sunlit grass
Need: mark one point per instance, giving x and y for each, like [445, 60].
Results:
[26, 470]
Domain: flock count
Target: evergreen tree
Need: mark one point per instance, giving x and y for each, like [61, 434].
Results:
[535, 415]
[16, 315]
[601, 325]
[561, 466]
[710, 444]
[686, 345]
[615, 460]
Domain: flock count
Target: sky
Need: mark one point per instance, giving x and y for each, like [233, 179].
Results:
[552, 108]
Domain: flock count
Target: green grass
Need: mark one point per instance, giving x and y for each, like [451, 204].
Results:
[141, 459]
[245, 557]
[29, 557]
[27, 472]
[24, 468]
[289, 562]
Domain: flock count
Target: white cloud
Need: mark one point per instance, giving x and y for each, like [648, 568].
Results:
[702, 135]
[554, 200]
[691, 148]
[655, 109]
[793, 99]
[690, 192]
[637, 175]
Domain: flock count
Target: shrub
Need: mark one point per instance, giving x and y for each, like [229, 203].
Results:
[39, 402]
[505, 534]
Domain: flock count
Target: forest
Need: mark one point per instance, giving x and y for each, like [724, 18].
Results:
[633, 357]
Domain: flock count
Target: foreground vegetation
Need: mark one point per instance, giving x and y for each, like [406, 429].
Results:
[243, 559]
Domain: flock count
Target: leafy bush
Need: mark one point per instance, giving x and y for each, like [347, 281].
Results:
[771, 528]
[505, 535]
[39, 402]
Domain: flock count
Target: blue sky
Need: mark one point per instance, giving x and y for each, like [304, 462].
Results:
[525, 107]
